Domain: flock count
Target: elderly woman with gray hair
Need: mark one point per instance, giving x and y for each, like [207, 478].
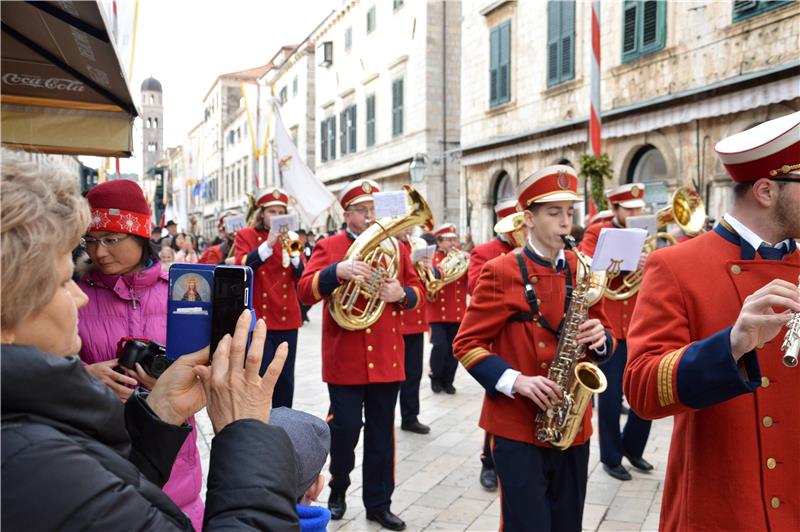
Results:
[76, 458]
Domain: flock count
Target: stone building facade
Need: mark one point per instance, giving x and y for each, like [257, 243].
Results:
[390, 71]
[152, 123]
[682, 76]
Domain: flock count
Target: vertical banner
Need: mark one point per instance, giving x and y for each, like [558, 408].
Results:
[595, 122]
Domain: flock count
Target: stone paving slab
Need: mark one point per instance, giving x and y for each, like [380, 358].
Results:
[437, 474]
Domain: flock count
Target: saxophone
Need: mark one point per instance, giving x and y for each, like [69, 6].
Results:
[578, 380]
[791, 342]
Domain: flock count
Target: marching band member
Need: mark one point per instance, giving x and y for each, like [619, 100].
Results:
[218, 254]
[626, 200]
[480, 255]
[363, 368]
[274, 287]
[507, 342]
[415, 325]
[704, 347]
[444, 314]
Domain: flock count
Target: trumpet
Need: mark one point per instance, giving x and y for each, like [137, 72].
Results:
[791, 342]
[292, 246]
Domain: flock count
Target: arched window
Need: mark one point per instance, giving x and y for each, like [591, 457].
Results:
[155, 122]
[503, 190]
[649, 166]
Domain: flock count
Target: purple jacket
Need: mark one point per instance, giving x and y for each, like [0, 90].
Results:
[136, 305]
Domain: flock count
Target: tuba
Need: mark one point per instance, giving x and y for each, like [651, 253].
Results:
[452, 267]
[357, 304]
[578, 380]
[513, 226]
[686, 209]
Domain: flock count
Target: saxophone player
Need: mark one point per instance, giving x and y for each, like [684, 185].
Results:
[626, 200]
[363, 368]
[445, 312]
[274, 287]
[704, 346]
[507, 342]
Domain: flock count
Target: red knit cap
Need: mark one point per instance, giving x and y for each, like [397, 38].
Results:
[119, 206]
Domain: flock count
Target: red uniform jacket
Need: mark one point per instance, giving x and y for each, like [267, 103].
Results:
[488, 343]
[734, 460]
[450, 302]
[274, 287]
[415, 321]
[213, 255]
[619, 313]
[375, 354]
[482, 254]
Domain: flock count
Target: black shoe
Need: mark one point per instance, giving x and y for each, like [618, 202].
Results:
[488, 478]
[639, 463]
[617, 471]
[449, 389]
[337, 505]
[415, 426]
[436, 386]
[387, 520]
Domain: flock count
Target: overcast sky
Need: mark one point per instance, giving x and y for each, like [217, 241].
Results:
[186, 44]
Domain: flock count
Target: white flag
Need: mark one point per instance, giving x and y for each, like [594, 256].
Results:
[312, 197]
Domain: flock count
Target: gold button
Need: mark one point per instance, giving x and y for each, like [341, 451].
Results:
[458, 310]
[764, 382]
[263, 306]
[263, 273]
[283, 318]
[284, 274]
[625, 302]
[767, 421]
[285, 296]
[394, 347]
[623, 316]
[418, 311]
[538, 324]
[534, 280]
[736, 269]
[394, 364]
[419, 322]
[760, 346]
[771, 463]
[543, 365]
[442, 308]
[284, 285]
[259, 239]
[369, 348]
[394, 330]
[368, 331]
[775, 502]
[394, 313]
[370, 365]
[541, 345]
[264, 294]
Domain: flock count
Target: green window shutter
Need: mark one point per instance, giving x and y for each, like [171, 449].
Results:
[553, 41]
[371, 20]
[370, 120]
[348, 38]
[323, 140]
[504, 70]
[567, 49]
[332, 138]
[743, 9]
[343, 133]
[351, 130]
[629, 29]
[644, 28]
[494, 62]
[397, 107]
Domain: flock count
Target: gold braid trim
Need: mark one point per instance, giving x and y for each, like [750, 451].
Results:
[315, 287]
[473, 356]
[666, 396]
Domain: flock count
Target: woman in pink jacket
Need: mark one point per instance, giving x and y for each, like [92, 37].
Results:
[127, 292]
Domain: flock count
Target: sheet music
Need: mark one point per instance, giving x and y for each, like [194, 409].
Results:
[646, 222]
[234, 223]
[283, 223]
[389, 204]
[618, 249]
[419, 254]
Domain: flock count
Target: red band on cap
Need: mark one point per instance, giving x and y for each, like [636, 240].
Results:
[545, 186]
[119, 221]
[760, 168]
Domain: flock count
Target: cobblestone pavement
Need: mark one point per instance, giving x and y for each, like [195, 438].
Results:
[437, 474]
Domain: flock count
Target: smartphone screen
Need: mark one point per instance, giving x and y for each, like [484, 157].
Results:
[231, 294]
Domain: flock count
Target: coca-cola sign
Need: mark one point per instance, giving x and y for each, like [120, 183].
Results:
[38, 82]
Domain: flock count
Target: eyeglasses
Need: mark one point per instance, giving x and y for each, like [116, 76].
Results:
[107, 241]
[363, 211]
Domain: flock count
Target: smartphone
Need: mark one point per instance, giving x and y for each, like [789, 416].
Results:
[189, 308]
[233, 286]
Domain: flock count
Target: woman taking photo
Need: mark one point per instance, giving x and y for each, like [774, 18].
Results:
[69, 441]
[127, 291]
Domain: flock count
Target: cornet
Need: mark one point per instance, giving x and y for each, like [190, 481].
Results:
[292, 246]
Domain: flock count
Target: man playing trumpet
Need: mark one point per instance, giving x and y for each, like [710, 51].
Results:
[274, 286]
[363, 368]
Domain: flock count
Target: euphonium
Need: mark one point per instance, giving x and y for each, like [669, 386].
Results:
[424, 273]
[357, 304]
[452, 267]
[686, 209]
[791, 342]
[513, 226]
[578, 380]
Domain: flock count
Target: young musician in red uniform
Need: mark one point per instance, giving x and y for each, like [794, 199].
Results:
[444, 314]
[480, 255]
[218, 254]
[274, 287]
[626, 200]
[363, 368]
[507, 342]
[704, 346]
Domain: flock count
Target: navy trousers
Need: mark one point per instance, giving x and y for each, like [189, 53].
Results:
[633, 438]
[443, 363]
[409, 390]
[542, 489]
[486, 454]
[284, 388]
[377, 402]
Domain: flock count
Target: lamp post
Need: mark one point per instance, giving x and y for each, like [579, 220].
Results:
[417, 168]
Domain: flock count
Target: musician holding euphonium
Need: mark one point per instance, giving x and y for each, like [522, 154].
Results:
[625, 201]
[365, 280]
[528, 319]
[274, 285]
[704, 346]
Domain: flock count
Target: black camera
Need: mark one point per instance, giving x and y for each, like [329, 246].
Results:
[152, 356]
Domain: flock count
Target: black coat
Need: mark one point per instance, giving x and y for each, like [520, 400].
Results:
[75, 458]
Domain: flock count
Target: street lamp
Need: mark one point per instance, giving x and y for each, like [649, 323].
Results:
[417, 168]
